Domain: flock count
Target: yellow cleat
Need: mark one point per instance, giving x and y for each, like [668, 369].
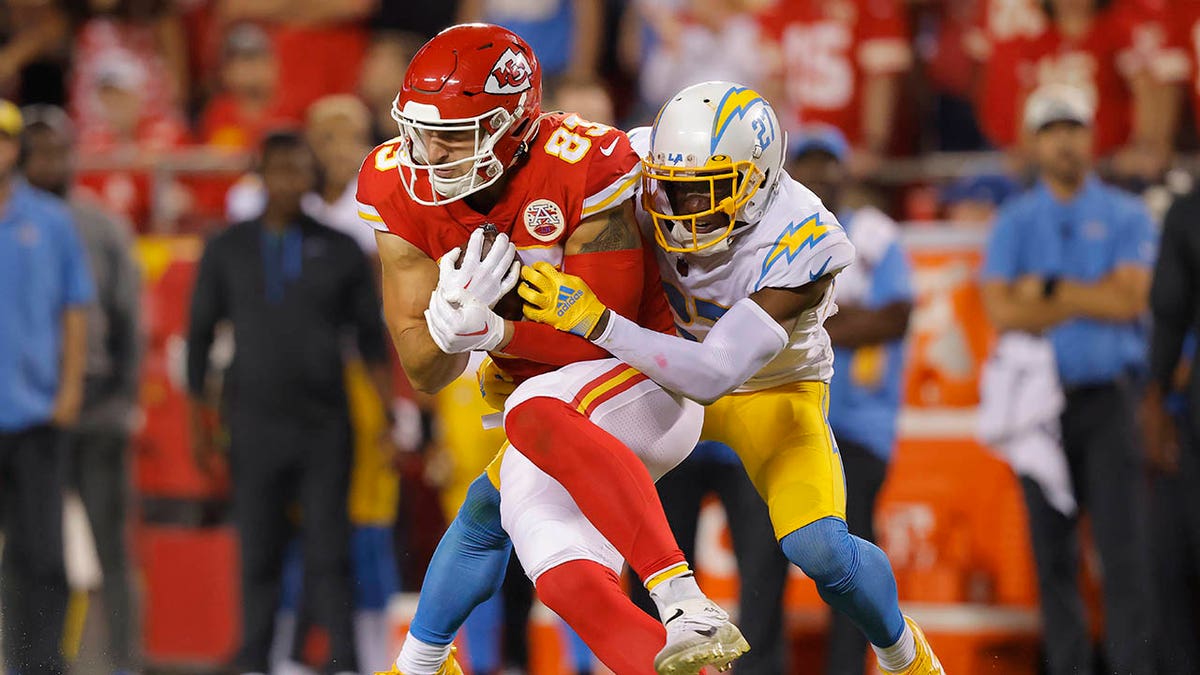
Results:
[926, 662]
[449, 666]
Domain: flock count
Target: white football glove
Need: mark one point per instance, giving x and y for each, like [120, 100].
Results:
[488, 279]
[462, 323]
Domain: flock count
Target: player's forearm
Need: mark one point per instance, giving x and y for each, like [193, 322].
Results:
[428, 368]
[737, 347]
[540, 343]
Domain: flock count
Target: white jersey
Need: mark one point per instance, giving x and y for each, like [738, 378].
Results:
[796, 242]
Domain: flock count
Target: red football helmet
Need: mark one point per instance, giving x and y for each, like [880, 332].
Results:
[475, 78]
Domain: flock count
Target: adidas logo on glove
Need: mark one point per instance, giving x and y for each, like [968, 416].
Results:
[567, 297]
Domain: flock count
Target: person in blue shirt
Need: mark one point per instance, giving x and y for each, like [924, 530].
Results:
[45, 287]
[874, 298]
[1070, 259]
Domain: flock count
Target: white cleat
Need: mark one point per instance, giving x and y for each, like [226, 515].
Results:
[699, 634]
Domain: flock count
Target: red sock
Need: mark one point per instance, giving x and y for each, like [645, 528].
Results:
[588, 596]
[608, 482]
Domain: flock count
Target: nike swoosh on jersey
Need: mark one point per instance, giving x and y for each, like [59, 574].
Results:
[608, 150]
[813, 276]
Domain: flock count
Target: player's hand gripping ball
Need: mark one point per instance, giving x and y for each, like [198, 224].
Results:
[488, 269]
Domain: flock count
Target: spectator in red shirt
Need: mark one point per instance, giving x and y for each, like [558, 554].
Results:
[840, 62]
[146, 31]
[245, 109]
[126, 137]
[248, 105]
[318, 43]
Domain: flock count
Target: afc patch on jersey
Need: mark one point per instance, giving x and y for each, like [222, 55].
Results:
[511, 74]
[544, 220]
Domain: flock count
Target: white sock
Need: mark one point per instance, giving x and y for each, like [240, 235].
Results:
[900, 655]
[419, 658]
[675, 589]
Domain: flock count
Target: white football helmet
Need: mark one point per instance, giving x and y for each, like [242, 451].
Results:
[716, 154]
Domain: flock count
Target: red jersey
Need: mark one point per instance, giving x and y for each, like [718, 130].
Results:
[828, 47]
[1089, 62]
[574, 170]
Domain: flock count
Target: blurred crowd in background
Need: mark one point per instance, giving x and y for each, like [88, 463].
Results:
[162, 107]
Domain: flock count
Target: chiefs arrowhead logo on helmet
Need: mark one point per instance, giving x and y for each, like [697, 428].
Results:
[473, 77]
[510, 75]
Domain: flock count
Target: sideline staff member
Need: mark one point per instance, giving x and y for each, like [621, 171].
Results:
[292, 288]
[45, 286]
[1071, 259]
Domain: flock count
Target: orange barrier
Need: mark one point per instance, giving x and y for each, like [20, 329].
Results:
[949, 335]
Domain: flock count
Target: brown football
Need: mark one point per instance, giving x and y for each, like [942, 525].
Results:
[509, 307]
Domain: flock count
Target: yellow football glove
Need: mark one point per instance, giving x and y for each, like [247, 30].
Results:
[560, 300]
[494, 384]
